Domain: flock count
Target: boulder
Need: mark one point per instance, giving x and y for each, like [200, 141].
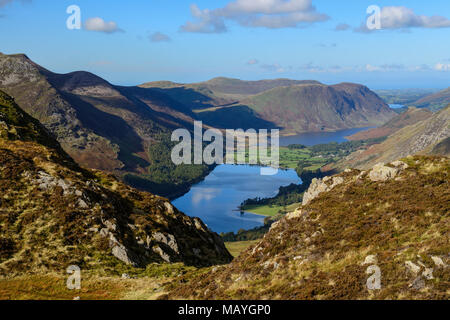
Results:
[380, 172]
[319, 186]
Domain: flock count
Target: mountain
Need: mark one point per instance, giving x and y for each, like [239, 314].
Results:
[54, 213]
[317, 107]
[411, 116]
[435, 101]
[380, 234]
[100, 125]
[294, 106]
[421, 137]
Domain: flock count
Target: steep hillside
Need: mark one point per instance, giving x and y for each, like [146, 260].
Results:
[54, 214]
[421, 137]
[435, 101]
[317, 107]
[390, 223]
[412, 116]
[100, 125]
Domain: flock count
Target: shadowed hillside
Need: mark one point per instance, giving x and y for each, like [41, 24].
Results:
[100, 125]
[54, 214]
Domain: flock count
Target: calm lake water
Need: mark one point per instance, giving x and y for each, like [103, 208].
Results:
[313, 138]
[216, 199]
[396, 106]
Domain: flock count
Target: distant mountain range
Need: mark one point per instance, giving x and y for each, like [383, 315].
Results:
[433, 100]
[294, 106]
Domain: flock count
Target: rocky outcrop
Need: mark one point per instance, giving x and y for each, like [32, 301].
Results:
[319, 186]
[58, 214]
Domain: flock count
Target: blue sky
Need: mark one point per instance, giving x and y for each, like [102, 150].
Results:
[139, 41]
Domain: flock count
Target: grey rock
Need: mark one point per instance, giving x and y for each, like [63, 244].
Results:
[168, 240]
[438, 261]
[82, 204]
[428, 273]
[169, 207]
[120, 252]
[370, 260]
[412, 267]
[318, 187]
[400, 164]
[382, 173]
[162, 254]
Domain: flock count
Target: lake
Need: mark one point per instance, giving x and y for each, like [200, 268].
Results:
[313, 138]
[396, 106]
[216, 199]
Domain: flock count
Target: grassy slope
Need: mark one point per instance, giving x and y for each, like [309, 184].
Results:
[318, 253]
[236, 248]
[270, 211]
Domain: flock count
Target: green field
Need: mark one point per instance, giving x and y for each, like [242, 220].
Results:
[269, 210]
[235, 248]
[290, 158]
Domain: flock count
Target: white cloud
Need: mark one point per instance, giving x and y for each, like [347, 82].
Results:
[442, 67]
[273, 14]
[159, 37]
[252, 62]
[207, 22]
[404, 18]
[99, 25]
